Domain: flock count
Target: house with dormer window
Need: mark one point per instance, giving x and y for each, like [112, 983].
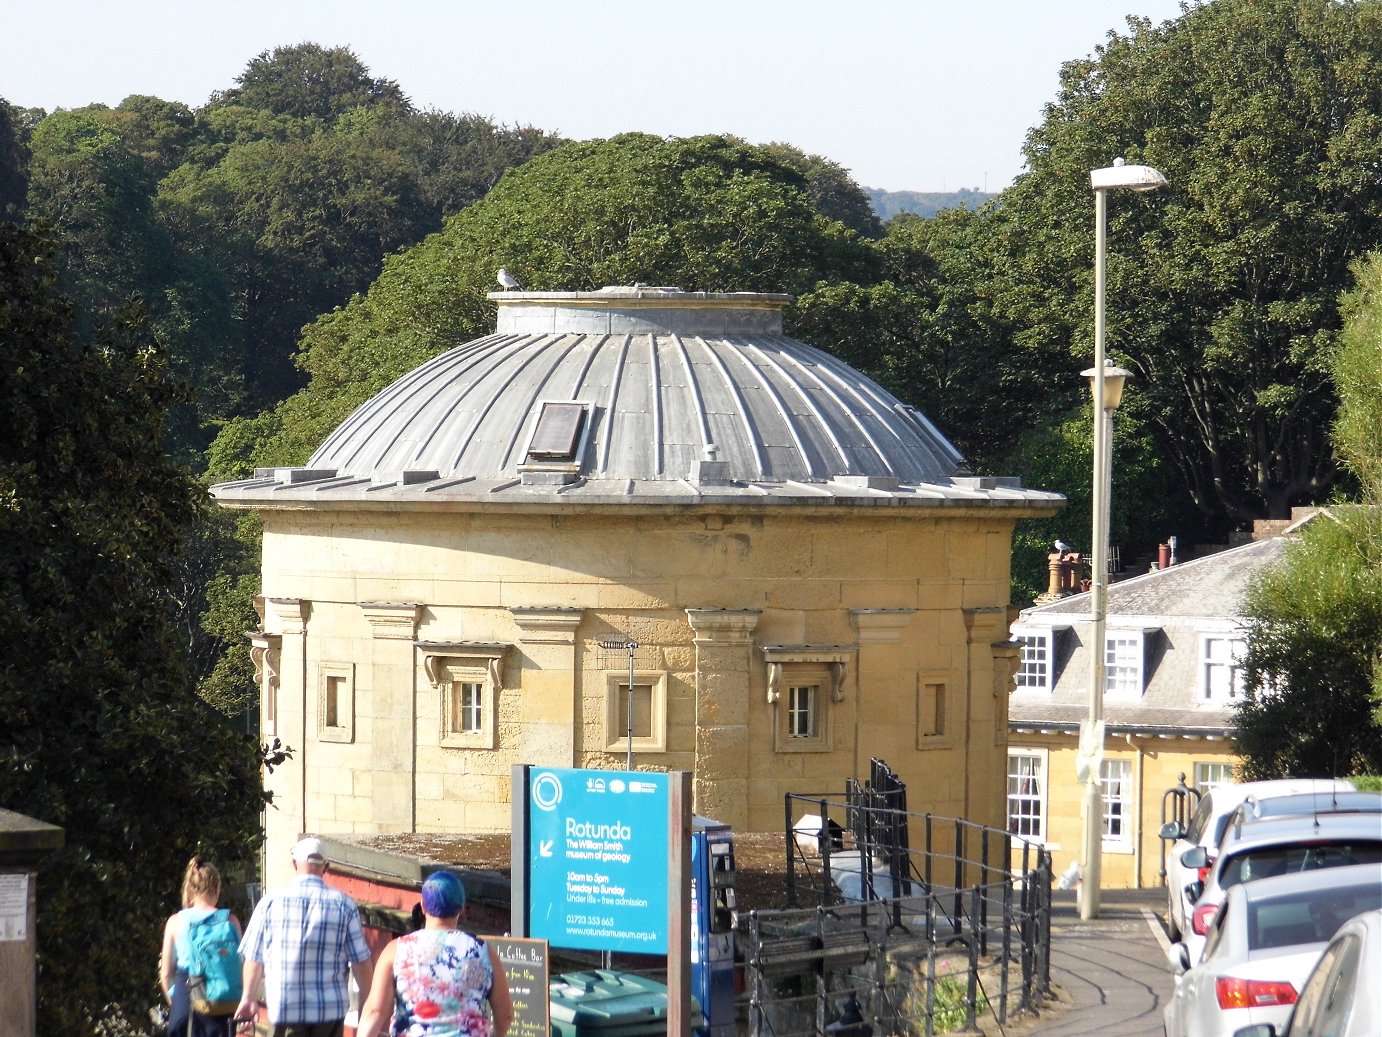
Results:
[1173, 649]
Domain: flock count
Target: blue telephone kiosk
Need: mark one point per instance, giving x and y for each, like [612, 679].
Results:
[713, 919]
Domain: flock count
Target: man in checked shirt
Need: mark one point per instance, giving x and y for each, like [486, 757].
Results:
[302, 941]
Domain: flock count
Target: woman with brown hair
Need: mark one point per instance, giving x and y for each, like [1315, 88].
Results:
[201, 894]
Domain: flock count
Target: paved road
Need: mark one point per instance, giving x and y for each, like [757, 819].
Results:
[1111, 971]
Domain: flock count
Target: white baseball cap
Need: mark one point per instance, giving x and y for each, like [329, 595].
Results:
[309, 849]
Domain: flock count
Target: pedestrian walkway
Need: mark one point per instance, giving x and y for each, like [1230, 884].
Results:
[1110, 973]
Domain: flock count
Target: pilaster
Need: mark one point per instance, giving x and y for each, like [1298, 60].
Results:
[550, 709]
[724, 678]
[285, 619]
[385, 698]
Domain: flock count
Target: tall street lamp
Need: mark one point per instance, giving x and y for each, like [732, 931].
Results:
[1107, 385]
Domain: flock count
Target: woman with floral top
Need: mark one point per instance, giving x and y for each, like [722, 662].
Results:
[439, 981]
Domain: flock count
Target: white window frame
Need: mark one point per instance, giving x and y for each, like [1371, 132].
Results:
[1125, 663]
[1036, 669]
[616, 712]
[1039, 760]
[1210, 665]
[336, 702]
[1211, 773]
[825, 668]
[450, 667]
[1118, 800]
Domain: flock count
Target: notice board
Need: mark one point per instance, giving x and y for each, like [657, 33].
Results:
[526, 963]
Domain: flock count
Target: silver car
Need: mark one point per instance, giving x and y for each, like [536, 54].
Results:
[1206, 829]
[1264, 941]
[1342, 997]
[1279, 846]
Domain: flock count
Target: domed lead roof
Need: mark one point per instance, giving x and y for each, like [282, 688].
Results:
[632, 396]
[664, 379]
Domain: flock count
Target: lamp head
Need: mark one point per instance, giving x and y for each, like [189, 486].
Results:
[1120, 176]
[1114, 380]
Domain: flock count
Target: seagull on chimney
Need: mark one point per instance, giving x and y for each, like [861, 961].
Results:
[1062, 546]
[508, 281]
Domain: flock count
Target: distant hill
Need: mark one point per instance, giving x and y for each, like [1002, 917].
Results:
[888, 204]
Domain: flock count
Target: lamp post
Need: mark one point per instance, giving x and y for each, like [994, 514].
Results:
[1107, 385]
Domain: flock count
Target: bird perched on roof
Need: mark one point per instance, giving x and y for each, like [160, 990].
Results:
[1062, 546]
[507, 280]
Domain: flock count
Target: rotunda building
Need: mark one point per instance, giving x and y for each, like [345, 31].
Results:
[797, 570]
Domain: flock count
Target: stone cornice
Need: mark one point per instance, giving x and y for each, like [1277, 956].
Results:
[728, 626]
[881, 626]
[391, 620]
[548, 625]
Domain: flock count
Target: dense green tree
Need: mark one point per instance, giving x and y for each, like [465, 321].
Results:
[94, 194]
[1315, 638]
[103, 734]
[309, 81]
[1266, 116]
[703, 213]
[14, 161]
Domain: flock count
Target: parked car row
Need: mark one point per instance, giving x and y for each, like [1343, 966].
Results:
[1269, 876]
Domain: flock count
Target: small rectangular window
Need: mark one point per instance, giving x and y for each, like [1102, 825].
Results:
[1034, 671]
[1027, 795]
[467, 707]
[930, 712]
[1222, 677]
[803, 710]
[1208, 775]
[557, 434]
[1123, 663]
[1116, 778]
[336, 702]
[649, 712]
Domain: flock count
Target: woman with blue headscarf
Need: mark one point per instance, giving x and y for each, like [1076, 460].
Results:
[439, 981]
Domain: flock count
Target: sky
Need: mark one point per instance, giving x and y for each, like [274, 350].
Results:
[922, 95]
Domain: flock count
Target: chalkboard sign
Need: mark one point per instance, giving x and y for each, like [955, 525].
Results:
[525, 961]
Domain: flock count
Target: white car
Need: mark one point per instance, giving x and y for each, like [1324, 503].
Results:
[1272, 846]
[1263, 944]
[1342, 997]
[1206, 828]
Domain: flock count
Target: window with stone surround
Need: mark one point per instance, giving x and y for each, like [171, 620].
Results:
[336, 702]
[804, 681]
[467, 676]
[649, 712]
[931, 719]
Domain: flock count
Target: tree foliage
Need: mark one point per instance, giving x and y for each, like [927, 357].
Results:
[1265, 117]
[703, 213]
[1315, 639]
[102, 734]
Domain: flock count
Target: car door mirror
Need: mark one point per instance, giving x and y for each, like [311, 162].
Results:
[1172, 830]
[1194, 890]
[1195, 857]
[1178, 956]
[1257, 1030]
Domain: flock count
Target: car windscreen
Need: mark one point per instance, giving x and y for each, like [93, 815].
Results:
[1265, 861]
[1309, 917]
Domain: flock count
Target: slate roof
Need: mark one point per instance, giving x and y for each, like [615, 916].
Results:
[690, 397]
[1209, 587]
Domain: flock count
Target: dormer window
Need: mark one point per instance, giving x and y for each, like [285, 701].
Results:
[558, 433]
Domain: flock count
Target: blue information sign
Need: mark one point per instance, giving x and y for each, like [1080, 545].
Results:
[598, 859]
